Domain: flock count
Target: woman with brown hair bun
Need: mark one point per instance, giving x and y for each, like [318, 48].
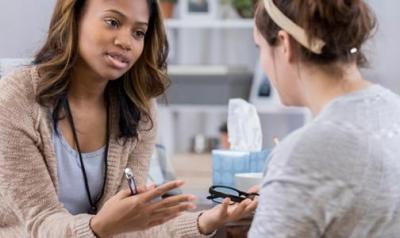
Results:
[338, 175]
[82, 113]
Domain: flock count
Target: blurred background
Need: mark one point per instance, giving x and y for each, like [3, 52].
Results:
[212, 58]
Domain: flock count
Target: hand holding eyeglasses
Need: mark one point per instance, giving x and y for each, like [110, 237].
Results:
[219, 192]
[235, 206]
[124, 213]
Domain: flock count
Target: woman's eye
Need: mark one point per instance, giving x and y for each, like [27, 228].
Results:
[139, 34]
[112, 23]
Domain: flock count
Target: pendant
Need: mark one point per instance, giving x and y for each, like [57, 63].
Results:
[93, 210]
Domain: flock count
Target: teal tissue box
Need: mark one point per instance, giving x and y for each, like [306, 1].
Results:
[226, 163]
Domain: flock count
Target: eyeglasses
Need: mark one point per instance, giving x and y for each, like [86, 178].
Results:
[219, 192]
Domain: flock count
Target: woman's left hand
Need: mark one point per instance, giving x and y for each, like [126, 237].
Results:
[212, 219]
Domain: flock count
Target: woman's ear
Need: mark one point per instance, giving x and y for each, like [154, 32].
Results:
[286, 46]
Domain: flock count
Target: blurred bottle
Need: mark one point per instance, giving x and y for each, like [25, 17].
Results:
[199, 144]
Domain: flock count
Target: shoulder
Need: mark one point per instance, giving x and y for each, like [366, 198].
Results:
[153, 108]
[354, 108]
[147, 128]
[347, 124]
[320, 148]
[19, 87]
[147, 121]
[18, 106]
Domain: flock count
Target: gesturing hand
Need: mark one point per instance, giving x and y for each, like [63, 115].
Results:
[124, 213]
[211, 219]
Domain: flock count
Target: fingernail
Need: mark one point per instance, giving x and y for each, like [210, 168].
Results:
[192, 197]
[179, 182]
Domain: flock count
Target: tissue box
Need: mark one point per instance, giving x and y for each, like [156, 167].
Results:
[226, 163]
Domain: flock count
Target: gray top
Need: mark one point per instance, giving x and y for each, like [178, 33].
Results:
[339, 175]
[72, 192]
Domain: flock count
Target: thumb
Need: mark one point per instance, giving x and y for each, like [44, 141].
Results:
[224, 207]
[254, 189]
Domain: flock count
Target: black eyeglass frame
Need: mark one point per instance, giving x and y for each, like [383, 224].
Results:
[214, 194]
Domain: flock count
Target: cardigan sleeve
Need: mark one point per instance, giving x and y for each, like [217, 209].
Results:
[139, 160]
[25, 183]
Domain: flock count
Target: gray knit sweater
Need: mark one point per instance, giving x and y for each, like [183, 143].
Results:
[29, 205]
[339, 176]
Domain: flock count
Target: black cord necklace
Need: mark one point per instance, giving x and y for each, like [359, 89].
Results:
[93, 203]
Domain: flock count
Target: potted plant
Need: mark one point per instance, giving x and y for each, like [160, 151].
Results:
[245, 8]
[167, 7]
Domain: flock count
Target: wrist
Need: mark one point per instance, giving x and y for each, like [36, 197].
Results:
[97, 227]
[204, 226]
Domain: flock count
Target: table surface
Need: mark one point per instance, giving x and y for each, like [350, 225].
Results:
[195, 170]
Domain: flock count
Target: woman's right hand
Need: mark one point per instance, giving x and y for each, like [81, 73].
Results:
[125, 213]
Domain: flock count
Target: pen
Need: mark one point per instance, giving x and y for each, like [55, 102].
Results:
[131, 181]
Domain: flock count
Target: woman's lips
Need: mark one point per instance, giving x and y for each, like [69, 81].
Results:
[117, 61]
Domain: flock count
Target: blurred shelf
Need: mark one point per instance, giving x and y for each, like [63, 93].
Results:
[207, 24]
[272, 108]
[206, 70]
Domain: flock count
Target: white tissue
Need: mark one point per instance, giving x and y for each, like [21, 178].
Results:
[244, 127]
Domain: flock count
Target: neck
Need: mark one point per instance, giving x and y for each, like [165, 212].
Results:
[320, 87]
[86, 87]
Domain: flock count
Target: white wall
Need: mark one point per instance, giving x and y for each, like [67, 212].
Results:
[386, 44]
[23, 25]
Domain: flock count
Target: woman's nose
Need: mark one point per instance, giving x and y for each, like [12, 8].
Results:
[123, 41]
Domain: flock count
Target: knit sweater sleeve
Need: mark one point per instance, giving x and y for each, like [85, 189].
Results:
[25, 183]
[304, 191]
[139, 159]
[183, 226]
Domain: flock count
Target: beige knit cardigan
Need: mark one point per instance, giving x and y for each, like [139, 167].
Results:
[29, 205]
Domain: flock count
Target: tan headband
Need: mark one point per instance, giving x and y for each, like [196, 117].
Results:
[292, 28]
